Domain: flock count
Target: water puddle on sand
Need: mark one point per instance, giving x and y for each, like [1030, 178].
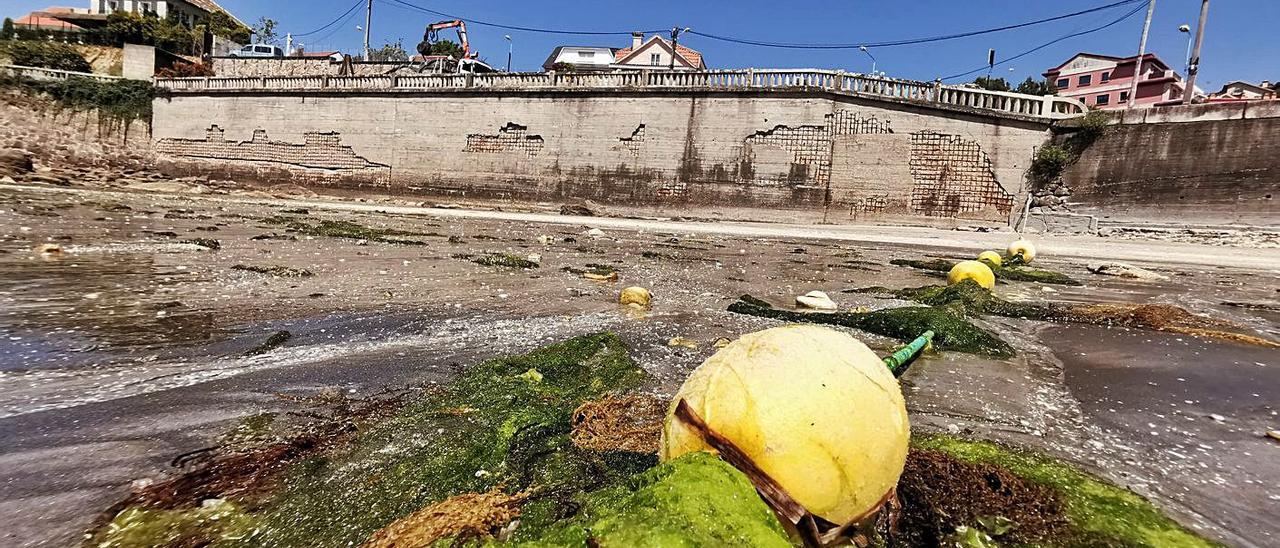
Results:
[346, 336]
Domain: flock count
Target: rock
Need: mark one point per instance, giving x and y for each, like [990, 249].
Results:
[1062, 192]
[610, 277]
[1274, 434]
[636, 297]
[578, 210]
[15, 162]
[816, 300]
[1125, 271]
[545, 239]
[595, 233]
[7, 180]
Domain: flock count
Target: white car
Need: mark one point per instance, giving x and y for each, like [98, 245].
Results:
[258, 50]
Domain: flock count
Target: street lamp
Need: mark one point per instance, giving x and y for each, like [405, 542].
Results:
[1186, 29]
[509, 46]
[863, 49]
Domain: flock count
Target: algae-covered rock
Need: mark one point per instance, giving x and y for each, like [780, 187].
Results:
[1006, 271]
[695, 500]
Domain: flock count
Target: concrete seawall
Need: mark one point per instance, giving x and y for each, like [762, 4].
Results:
[1201, 164]
[794, 155]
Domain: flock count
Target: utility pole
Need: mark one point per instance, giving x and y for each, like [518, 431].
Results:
[1142, 53]
[509, 47]
[675, 41]
[1194, 66]
[368, 18]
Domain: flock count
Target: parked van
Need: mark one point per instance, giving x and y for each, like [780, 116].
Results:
[258, 50]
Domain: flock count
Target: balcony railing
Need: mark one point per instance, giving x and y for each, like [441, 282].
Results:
[724, 80]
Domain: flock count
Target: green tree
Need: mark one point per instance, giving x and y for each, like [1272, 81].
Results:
[443, 47]
[389, 52]
[7, 32]
[265, 30]
[993, 84]
[132, 28]
[1031, 86]
[221, 24]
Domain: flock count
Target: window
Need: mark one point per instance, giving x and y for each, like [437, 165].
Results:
[586, 54]
[1106, 77]
[113, 6]
[1124, 97]
[1155, 74]
[1063, 83]
[655, 59]
[1086, 80]
[1104, 99]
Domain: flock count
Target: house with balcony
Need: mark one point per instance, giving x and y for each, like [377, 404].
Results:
[1104, 82]
[188, 12]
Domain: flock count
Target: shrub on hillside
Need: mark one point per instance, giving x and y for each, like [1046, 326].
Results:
[184, 70]
[52, 55]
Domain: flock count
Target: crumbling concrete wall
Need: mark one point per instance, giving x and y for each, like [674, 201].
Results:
[1202, 164]
[762, 155]
[228, 67]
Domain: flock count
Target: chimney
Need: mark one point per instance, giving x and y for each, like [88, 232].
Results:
[637, 38]
[1266, 83]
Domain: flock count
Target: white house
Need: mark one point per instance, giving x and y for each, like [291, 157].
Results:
[189, 12]
[655, 53]
[581, 57]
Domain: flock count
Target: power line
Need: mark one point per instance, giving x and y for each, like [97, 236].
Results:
[407, 5]
[331, 23]
[1052, 42]
[350, 15]
[911, 41]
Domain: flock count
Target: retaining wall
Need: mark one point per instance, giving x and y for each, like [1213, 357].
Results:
[797, 155]
[1201, 164]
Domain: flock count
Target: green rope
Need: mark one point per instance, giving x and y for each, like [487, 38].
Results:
[900, 359]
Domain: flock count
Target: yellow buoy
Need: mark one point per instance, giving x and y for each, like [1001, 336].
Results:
[814, 408]
[972, 270]
[991, 258]
[638, 297]
[1023, 248]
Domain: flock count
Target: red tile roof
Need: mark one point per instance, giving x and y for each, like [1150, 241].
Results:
[40, 21]
[691, 55]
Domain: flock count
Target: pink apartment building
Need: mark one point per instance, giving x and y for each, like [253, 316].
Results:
[1102, 81]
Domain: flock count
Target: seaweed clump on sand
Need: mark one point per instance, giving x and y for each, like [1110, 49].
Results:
[460, 463]
[974, 300]
[1018, 273]
[951, 482]
[347, 230]
[952, 331]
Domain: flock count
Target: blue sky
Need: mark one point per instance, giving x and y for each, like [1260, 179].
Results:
[1240, 39]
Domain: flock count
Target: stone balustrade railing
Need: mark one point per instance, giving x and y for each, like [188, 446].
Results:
[37, 73]
[763, 79]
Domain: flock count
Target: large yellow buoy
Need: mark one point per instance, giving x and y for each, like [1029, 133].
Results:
[972, 270]
[1023, 248]
[991, 258]
[814, 408]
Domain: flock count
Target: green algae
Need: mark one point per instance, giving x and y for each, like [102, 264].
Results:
[277, 271]
[1017, 273]
[504, 260]
[1099, 514]
[215, 522]
[346, 230]
[952, 331]
[695, 500]
[505, 422]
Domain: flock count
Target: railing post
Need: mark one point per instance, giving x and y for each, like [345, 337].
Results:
[324, 81]
[751, 77]
[468, 80]
[937, 91]
[262, 82]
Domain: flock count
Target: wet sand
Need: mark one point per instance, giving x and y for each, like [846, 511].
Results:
[129, 348]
